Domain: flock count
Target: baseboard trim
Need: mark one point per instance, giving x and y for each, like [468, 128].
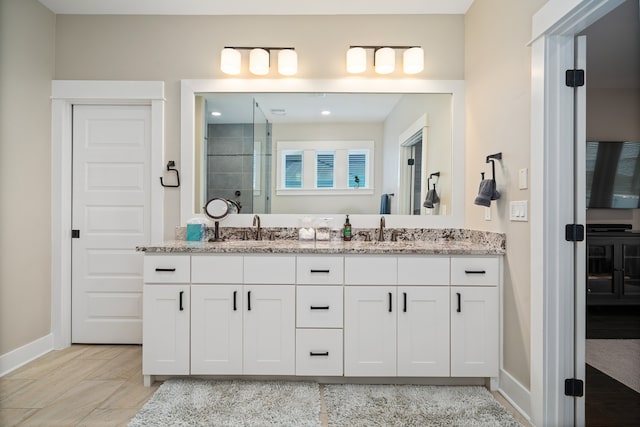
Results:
[25, 354]
[515, 393]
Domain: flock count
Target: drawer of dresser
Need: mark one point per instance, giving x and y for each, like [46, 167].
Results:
[319, 307]
[167, 268]
[423, 270]
[270, 269]
[320, 270]
[216, 268]
[319, 352]
[370, 270]
[481, 271]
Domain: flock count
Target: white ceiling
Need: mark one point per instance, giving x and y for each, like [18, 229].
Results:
[256, 7]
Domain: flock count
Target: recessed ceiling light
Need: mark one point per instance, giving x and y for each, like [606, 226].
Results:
[216, 113]
[325, 112]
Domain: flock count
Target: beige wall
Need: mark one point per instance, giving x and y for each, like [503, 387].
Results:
[497, 71]
[27, 34]
[171, 48]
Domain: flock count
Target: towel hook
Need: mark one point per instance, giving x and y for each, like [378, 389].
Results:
[171, 166]
[490, 158]
[431, 176]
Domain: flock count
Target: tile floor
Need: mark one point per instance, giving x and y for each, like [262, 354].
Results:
[87, 385]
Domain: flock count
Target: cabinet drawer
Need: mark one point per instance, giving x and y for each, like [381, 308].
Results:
[216, 269]
[482, 271]
[320, 270]
[270, 269]
[370, 270]
[319, 307]
[421, 270]
[167, 268]
[319, 352]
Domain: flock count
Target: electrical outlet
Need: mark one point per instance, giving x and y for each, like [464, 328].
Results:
[487, 213]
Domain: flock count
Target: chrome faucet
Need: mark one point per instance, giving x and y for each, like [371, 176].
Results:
[381, 230]
[256, 222]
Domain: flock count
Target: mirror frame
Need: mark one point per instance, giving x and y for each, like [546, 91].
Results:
[190, 88]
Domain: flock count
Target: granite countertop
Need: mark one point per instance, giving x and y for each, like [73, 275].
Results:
[420, 247]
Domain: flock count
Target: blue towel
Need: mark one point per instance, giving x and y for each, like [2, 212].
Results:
[385, 204]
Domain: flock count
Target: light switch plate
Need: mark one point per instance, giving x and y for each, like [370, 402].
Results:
[518, 210]
[487, 213]
[523, 179]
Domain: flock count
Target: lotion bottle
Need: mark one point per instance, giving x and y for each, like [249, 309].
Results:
[346, 231]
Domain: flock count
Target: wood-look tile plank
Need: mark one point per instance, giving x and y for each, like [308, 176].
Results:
[9, 387]
[42, 392]
[105, 352]
[132, 394]
[46, 363]
[13, 417]
[108, 418]
[74, 405]
[122, 367]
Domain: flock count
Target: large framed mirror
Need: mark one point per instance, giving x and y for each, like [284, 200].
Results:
[267, 145]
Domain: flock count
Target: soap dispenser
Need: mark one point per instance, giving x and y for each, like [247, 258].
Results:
[346, 231]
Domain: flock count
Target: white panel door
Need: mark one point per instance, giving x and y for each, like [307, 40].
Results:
[474, 331]
[369, 331]
[216, 329]
[423, 331]
[165, 350]
[111, 198]
[269, 329]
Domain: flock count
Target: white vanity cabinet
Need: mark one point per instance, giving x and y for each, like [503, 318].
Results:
[322, 315]
[166, 311]
[475, 316]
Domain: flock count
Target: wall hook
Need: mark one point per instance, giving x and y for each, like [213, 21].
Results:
[490, 158]
[431, 176]
[171, 166]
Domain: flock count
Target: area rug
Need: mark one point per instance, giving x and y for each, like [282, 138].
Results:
[413, 405]
[194, 402]
[619, 359]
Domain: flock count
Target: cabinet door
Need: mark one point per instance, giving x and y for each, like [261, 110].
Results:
[370, 331]
[423, 331]
[630, 271]
[601, 284]
[216, 329]
[269, 329]
[474, 331]
[165, 330]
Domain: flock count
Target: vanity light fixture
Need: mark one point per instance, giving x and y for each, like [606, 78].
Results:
[384, 59]
[259, 60]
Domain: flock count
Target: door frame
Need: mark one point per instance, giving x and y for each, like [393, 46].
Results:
[554, 27]
[66, 94]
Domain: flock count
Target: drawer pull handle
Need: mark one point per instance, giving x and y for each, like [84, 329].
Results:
[235, 295]
[390, 303]
[165, 269]
[475, 272]
[249, 300]
[314, 353]
[320, 271]
[459, 308]
[181, 294]
[319, 307]
[405, 302]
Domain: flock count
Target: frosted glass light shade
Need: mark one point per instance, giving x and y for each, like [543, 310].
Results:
[356, 60]
[385, 60]
[287, 62]
[230, 60]
[413, 60]
[259, 62]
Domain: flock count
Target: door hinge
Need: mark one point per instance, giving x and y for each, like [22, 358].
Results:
[574, 232]
[573, 387]
[574, 78]
[75, 234]
[411, 162]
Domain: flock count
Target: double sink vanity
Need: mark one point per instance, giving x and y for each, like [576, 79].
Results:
[427, 306]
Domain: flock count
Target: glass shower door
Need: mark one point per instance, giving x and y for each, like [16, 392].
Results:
[261, 161]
